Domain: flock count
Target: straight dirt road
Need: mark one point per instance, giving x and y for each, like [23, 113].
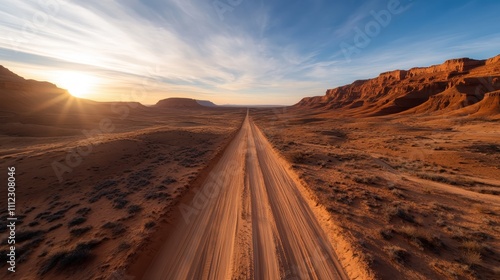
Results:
[249, 220]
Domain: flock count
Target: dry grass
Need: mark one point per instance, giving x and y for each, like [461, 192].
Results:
[471, 257]
[399, 211]
[421, 238]
[77, 232]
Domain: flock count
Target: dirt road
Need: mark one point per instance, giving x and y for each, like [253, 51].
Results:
[248, 221]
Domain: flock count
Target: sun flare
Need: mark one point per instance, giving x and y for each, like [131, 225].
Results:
[78, 84]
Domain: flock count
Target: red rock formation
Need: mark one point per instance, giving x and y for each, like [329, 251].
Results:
[453, 85]
[488, 107]
[30, 99]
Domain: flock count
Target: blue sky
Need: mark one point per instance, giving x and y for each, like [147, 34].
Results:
[235, 51]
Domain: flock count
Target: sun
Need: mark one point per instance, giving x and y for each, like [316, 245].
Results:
[77, 83]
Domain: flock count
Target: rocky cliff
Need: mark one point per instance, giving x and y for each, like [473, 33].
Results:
[453, 85]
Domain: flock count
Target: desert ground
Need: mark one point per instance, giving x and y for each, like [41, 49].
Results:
[418, 199]
[92, 222]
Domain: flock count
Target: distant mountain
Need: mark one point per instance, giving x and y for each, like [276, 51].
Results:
[253, 106]
[178, 102]
[33, 98]
[445, 88]
[184, 103]
[206, 103]
[23, 96]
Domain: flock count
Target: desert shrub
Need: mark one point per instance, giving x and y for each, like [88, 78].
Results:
[471, 257]
[344, 198]
[42, 215]
[480, 236]
[398, 211]
[89, 244]
[51, 263]
[27, 249]
[54, 227]
[50, 217]
[398, 193]
[83, 211]
[149, 225]
[56, 216]
[387, 233]
[453, 270]
[66, 259]
[33, 224]
[169, 180]
[409, 231]
[298, 157]
[440, 222]
[397, 254]
[434, 177]
[156, 195]
[123, 246]
[106, 184]
[120, 203]
[133, 209]
[421, 238]
[77, 221]
[488, 191]
[139, 179]
[489, 149]
[336, 133]
[74, 257]
[475, 246]
[116, 228]
[108, 193]
[367, 180]
[438, 207]
[28, 235]
[80, 231]
[457, 233]
[450, 180]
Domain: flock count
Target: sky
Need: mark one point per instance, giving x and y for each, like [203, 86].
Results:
[235, 51]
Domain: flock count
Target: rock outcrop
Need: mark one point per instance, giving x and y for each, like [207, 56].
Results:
[453, 85]
[178, 102]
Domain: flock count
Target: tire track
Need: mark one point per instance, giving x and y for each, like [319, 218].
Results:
[248, 221]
